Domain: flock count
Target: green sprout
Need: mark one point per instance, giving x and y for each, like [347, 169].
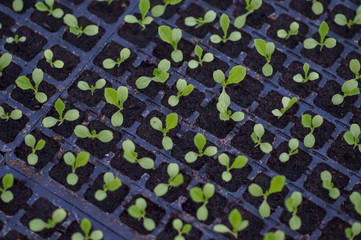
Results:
[183, 90]
[84, 86]
[308, 77]
[159, 9]
[352, 136]
[181, 228]
[235, 219]
[341, 19]
[172, 37]
[349, 88]
[277, 235]
[234, 36]
[144, 6]
[47, 6]
[311, 123]
[353, 231]
[80, 160]
[131, 156]
[200, 142]
[8, 181]
[355, 68]
[317, 7]
[48, 54]
[116, 98]
[160, 75]
[72, 22]
[292, 204]
[265, 49]
[293, 31]
[170, 123]
[86, 226]
[30, 141]
[110, 184]
[5, 61]
[251, 6]
[293, 145]
[175, 180]
[137, 210]
[311, 43]
[103, 136]
[123, 55]
[15, 114]
[70, 115]
[238, 163]
[224, 113]
[327, 184]
[209, 17]
[200, 195]
[24, 83]
[287, 104]
[37, 225]
[18, 5]
[257, 134]
[208, 57]
[277, 184]
[355, 199]
[16, 39]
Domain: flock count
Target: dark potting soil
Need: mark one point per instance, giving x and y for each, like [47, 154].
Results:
[27, 4]
[7, 22]
[283, 22]
[108, 12]
[305, 7]
[48, 22]
[42, 209]
[160, 175]
[12, 234]
[324, 96]
[132, 111]
[294, 167]
[112, 51]
[73, 228]
[239, 176]
[313, 183]
[257, 18]
[9, 75]
[170, 10]
[85, 96]
[84, 42]
[60, 53]
[303, 90]
[96, 147]
[355, 117]
[348, 207]
[222, 5]
[30, 48]
[243, 141]
[335, 230]
[170, 233]
[322, 134]
[204, 73]
[273, 100]
[153, 211]
[11, 128]
[113, 199]
[186, 144]
[61, 170]
[45, 155]
[343, 69]
[21, 196]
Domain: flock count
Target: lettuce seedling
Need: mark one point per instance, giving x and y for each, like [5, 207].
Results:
[16, 39]
[293, 31]
[209, 17]
[355, 68]
[5, 61]
[311, 43]
[327, 184]
[48, 54]
[86, 226]
[183, 90]
[37, 225]
[170, 123]
[200, 195]
[75, 162]
[137, 210]
[72, 22]
[311, 123]
[317, 7]
[131, 156]
[208, 57]
[277, 184]
[172, 37]
[160, 75]
[159, 9]
[48, 6]
[292, 204]
[341, 19]
[84, 86]
[6, 195]
[18, 5]
[353, 231]
[15, 114]
[293, 145]
[236, 75]
[83, 132]
[277, 235]
[70, 115]
[265, 49]
[349, 88]
[238, 163]
[123, 55]
[24, 83]
[251, 6]
[234, 36]
[200, 142]
[308, 77]
[110, 184]
[287, 104]
[222, 106]
[30, 141]
[175, 180]
[116, 98]
[355, 199]
[181, 228]
[144, 7]
[235, 219]
[352, 136]
[258, 132]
